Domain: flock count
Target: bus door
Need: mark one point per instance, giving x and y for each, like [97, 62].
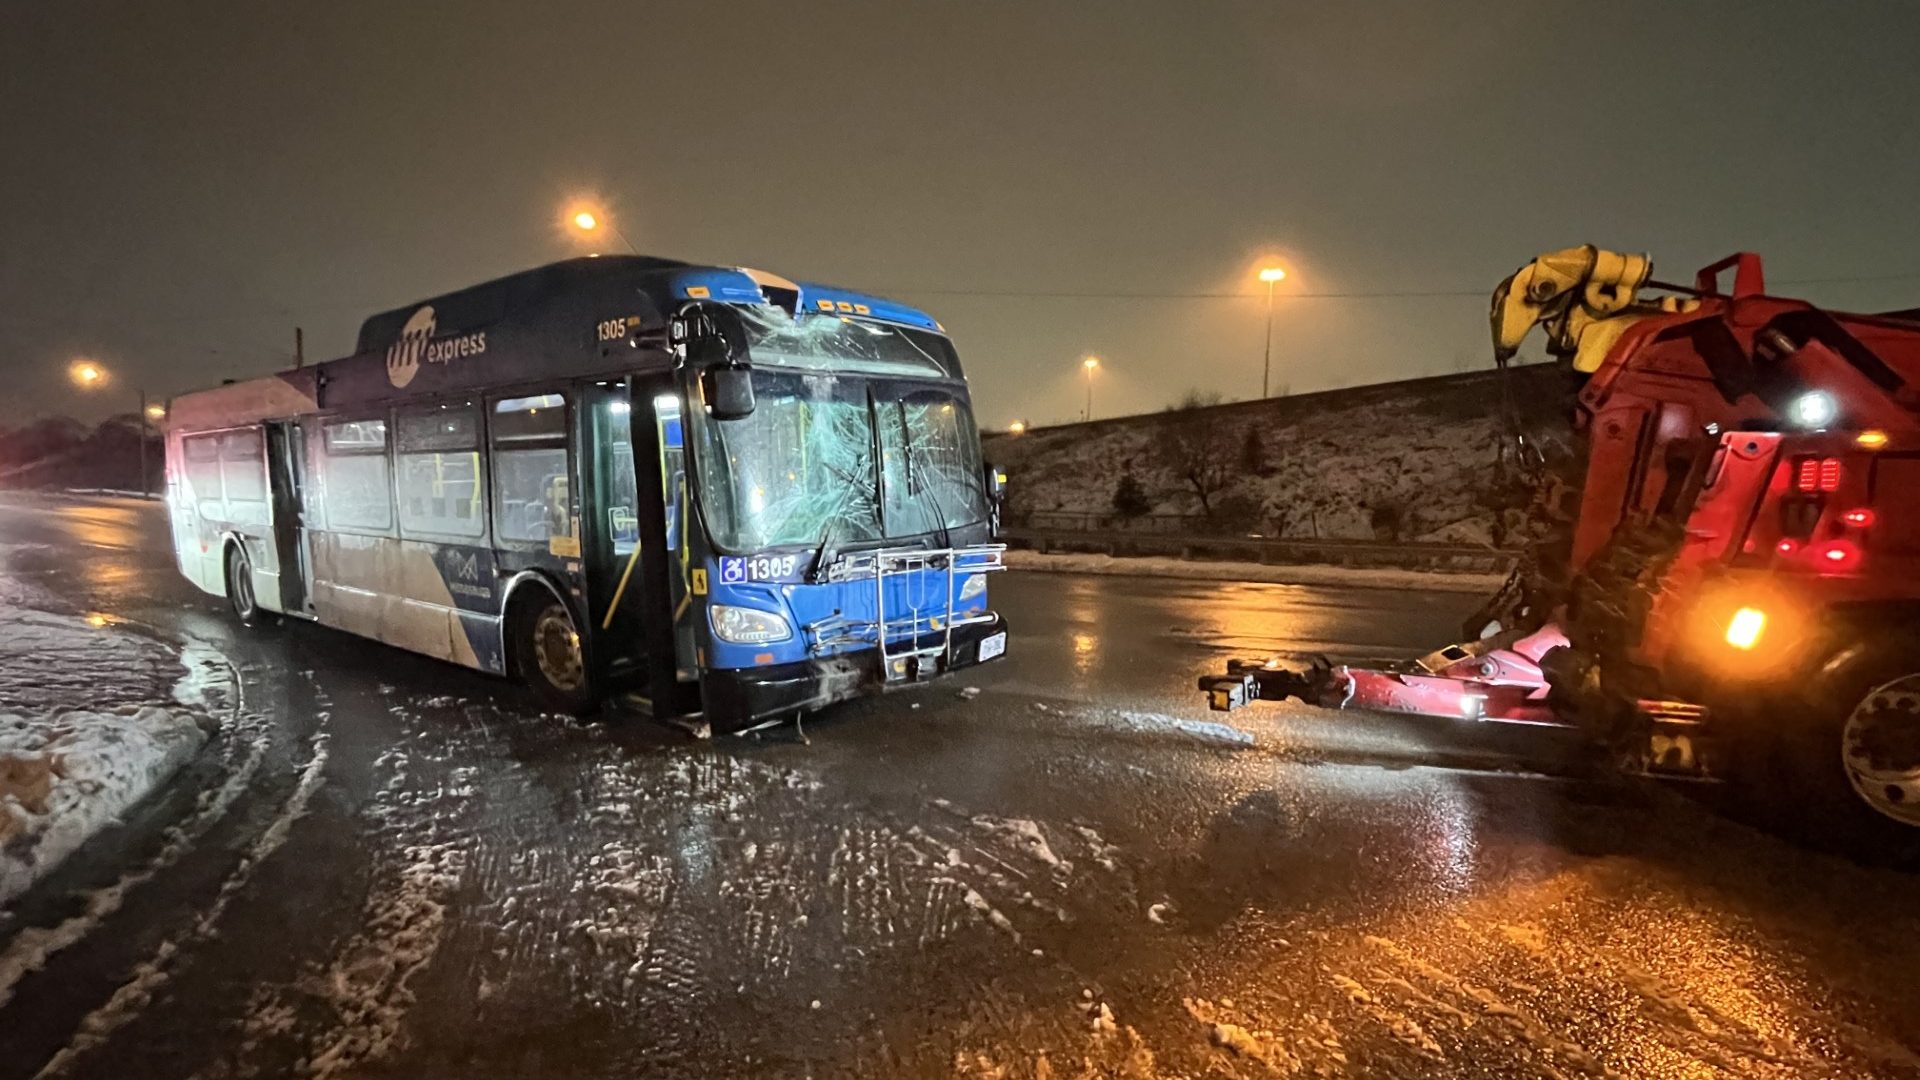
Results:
[637, 570]
[286, 477]
[634, 569]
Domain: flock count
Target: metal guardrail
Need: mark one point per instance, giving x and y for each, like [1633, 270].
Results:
[1469, 558]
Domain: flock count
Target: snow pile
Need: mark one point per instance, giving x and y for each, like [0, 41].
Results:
[1356, 577]
[66, 775]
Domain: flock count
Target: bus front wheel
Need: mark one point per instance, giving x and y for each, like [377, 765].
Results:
[549, 657]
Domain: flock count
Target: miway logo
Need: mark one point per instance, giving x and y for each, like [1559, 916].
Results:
[417, 346]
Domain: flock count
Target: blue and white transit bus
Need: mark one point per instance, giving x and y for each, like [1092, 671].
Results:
[717, 489]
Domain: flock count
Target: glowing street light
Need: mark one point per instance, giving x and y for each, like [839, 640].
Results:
[88, 375]
[1272, 275]
[1018, 427]
[589, 222]
[1088, 365]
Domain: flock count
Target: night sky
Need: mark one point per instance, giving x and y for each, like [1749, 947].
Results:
[182, 184]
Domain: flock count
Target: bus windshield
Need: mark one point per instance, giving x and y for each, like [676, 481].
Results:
[830, 455]
[819, 341]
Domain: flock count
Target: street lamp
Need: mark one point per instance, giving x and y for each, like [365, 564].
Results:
[588, 222]
[1088, 365]
[1018, 427]
[1272, 275]
[88, 375]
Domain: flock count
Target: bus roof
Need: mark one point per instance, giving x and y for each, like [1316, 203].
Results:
[667, 283]
[546, 322]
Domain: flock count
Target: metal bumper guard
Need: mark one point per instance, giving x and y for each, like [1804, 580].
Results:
[915, 633]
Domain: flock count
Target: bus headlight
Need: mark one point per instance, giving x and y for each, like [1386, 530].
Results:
[976, 586]
[747, 626]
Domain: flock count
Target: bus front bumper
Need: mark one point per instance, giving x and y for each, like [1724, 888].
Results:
[737, 697]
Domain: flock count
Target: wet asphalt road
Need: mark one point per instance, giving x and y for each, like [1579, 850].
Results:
[384, 866]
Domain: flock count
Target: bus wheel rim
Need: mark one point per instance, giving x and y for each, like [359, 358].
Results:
[1880, 748]
[556, 649]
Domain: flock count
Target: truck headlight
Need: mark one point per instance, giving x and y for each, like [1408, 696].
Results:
[1813, 409]
[976, 585]
[747, 626]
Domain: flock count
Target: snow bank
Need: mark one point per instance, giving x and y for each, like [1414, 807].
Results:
[66, 775]
[1351, 577]
[1408, 461]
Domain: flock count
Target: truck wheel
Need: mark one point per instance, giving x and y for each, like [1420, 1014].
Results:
[1855, 762]
[549, 656]
[1880, 749]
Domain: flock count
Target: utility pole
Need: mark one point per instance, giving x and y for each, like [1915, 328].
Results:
[1272, 275]
[143, 444]
[299, 348]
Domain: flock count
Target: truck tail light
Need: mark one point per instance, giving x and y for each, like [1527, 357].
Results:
[1838, 555]
[1859, 519]
[1817, 475]
[1787, 546]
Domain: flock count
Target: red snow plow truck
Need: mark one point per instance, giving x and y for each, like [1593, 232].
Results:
[1730, 585]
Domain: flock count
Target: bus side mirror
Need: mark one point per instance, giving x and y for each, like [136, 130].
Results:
[996, 484]
[729, 392]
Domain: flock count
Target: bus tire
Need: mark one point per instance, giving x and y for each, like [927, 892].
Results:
[1851, 760]
[547, 653]
[240, 595]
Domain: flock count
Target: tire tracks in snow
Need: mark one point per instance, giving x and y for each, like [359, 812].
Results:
[350, 1008]
[126, 1003]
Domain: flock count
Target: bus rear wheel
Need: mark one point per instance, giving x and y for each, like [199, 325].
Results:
[240, 594]
[549, 656]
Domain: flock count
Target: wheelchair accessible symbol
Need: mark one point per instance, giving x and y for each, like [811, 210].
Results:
[733, 570]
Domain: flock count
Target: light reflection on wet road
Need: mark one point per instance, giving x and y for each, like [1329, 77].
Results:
[448, 884]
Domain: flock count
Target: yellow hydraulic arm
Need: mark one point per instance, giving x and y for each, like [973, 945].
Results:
[1578, 296]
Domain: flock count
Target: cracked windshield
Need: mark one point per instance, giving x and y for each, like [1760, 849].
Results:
[851, 454]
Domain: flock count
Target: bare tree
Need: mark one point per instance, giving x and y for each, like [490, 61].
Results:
[1197, 448]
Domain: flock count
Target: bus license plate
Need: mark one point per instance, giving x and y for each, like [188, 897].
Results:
[993, 646]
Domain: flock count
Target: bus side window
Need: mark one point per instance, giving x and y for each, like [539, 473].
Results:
[243, 471]
[202, 454]
[532, 496]
[439, 464]
[358, 495]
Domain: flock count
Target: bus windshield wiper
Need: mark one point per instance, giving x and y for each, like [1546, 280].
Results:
[927, 489]
[824, 554]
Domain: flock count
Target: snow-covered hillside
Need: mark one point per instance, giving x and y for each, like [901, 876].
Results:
[1410, 461]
